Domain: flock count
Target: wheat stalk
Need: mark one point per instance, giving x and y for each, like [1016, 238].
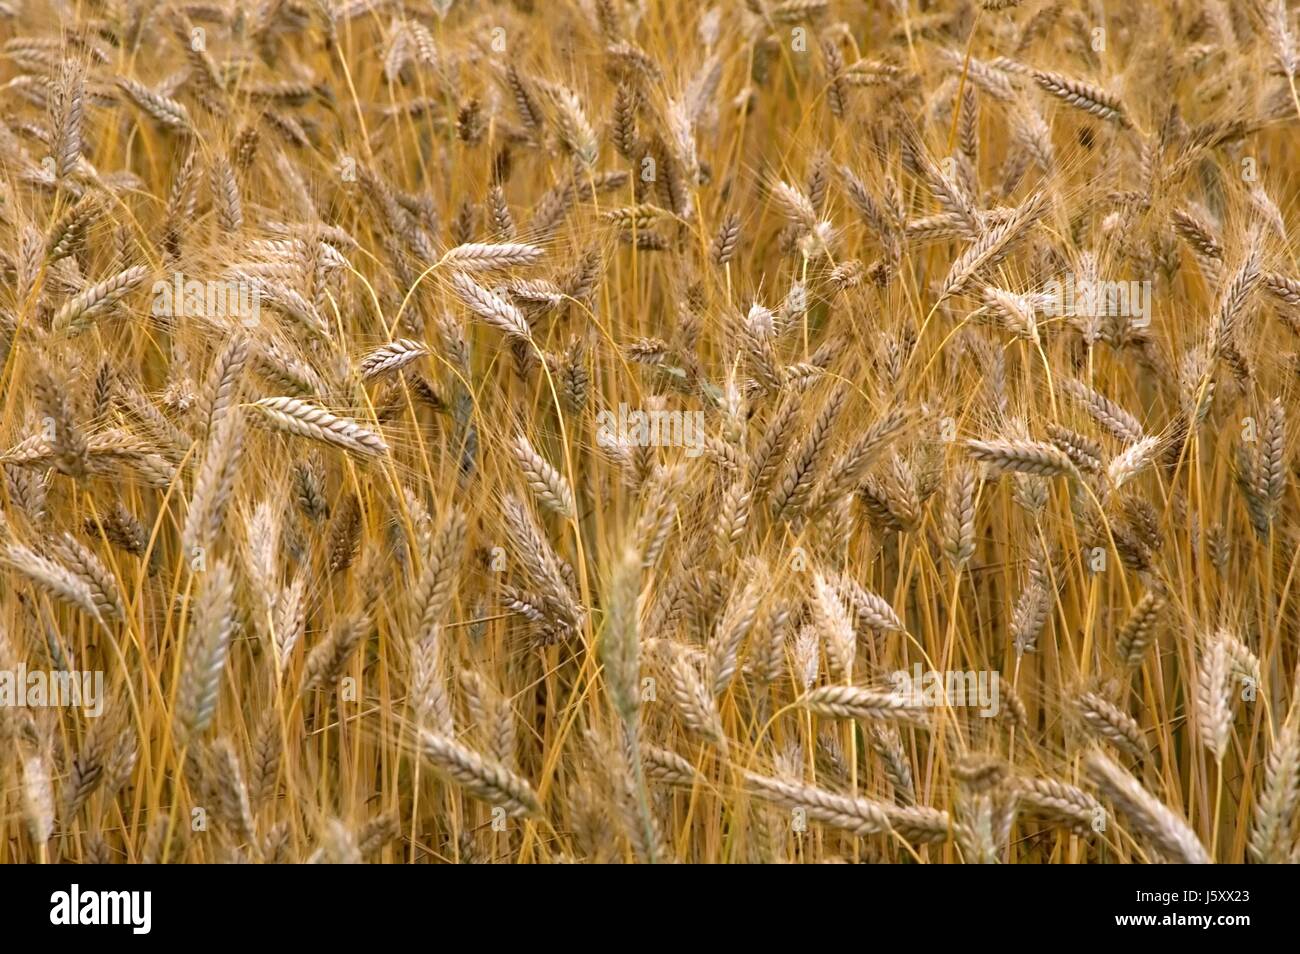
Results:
[296, 416]
[478, 775]
[1164, 829]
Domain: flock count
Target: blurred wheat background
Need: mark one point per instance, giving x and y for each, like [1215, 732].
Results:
[368, 579]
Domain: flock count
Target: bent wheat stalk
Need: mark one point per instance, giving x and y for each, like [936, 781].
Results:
[296, 416]
[478, 775]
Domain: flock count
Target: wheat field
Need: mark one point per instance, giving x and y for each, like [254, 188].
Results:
[601, 431]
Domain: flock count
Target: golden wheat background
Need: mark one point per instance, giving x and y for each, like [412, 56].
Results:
[367, 580]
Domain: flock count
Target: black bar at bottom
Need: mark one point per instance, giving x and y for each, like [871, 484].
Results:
[134, 905]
